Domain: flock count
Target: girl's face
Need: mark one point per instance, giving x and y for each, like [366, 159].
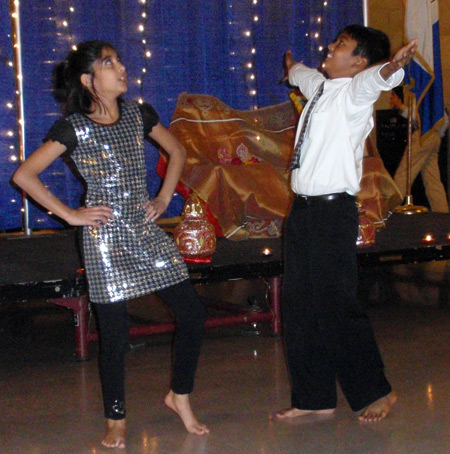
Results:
[110, 78]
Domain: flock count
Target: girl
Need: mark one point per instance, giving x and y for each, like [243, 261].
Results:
[126, 255]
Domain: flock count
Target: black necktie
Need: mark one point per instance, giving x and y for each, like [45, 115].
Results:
[295, 164]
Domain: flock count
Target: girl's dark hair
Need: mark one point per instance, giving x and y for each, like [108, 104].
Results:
[372, 44]
[67, 86]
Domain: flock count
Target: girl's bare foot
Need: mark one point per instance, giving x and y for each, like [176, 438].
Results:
[115, 434]
[295, 412]
[180, 404]
[379, 409]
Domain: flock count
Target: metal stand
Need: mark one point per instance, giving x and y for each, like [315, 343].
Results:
[409, 207]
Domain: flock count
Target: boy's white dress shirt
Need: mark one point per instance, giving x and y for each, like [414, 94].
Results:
[332, 152]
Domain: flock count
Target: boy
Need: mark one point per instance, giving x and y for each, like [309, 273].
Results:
[327, 333]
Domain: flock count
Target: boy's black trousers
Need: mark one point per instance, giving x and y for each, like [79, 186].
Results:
[327, 332]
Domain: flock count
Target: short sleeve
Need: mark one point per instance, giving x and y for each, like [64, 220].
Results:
[63, 132]
[150, 117]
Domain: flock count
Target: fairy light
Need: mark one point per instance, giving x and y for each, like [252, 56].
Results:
[249, 51]
[316, 31]
[146, 52]
[252, 77]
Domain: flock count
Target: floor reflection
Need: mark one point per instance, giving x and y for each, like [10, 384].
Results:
[51, 404]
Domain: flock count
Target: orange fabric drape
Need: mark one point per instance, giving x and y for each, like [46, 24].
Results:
[237, 163]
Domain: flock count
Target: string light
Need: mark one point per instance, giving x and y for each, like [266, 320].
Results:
[253, 75]
[247, 53]
[146, 52]
[16, 64]
[313, 32]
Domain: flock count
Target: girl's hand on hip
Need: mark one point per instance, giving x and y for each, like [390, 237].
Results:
[96, 216]
[155, 208]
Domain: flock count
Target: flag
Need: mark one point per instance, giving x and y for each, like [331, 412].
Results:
[424, 73]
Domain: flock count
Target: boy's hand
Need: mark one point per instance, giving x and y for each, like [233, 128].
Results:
[400, 59]
[405, 54]
[288, 63]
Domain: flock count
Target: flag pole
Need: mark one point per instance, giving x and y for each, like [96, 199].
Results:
[409, 207]
[366, 12]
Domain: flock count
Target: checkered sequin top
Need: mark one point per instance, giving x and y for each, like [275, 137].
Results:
[128, 257]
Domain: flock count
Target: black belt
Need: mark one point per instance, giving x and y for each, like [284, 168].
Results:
[308, 199]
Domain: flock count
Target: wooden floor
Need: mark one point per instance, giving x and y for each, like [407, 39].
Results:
[51, 404]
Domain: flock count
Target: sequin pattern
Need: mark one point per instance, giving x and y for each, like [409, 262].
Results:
[128, 257]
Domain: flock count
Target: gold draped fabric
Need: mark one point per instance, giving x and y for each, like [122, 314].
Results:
[237, 163]
[379, 195]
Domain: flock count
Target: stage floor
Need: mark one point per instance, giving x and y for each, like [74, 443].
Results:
[48, 266]
[53, 405]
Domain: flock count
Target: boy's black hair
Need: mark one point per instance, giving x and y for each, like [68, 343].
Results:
[372, 44]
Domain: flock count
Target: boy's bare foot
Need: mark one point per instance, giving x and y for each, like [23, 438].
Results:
[180, 404]
[379, 409]
[115, 434]
[295, 412]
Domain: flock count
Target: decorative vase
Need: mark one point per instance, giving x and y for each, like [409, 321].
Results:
[366, 229]
[195, 236]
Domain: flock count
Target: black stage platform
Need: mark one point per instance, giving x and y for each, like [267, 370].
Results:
[47, 265]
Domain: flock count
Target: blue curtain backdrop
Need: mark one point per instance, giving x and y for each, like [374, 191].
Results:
[231, 49]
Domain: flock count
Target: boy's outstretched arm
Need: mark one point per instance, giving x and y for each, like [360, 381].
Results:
[400, 59]
[288, 63]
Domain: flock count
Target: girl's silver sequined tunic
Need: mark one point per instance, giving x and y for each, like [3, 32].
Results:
[129, 256]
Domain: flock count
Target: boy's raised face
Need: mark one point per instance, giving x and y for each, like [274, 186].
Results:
[340, 61]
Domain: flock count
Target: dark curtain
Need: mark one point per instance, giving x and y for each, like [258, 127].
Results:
[229, 49]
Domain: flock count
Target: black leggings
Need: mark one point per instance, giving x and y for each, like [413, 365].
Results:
[190, 315]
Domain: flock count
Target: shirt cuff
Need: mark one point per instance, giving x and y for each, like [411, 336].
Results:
[393, 81]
